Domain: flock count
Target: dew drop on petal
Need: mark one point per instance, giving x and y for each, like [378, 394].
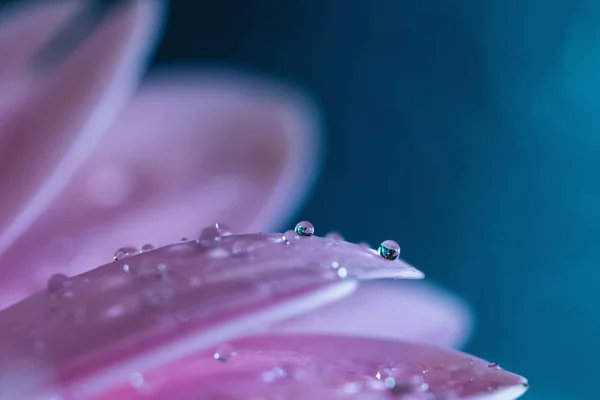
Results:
[389, 250]
[211, 235]
[493, 365]
[126, 268]
[183, 240]
[124, 252]
[147, 247]
[223, 353]
[57, 283]
[342, 272]
[289, 235]
[305, 228]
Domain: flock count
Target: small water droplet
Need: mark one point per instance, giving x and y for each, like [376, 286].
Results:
[336, 237]
[305, 228]
[58, 283]
[126, 268]
[224, 353]
[290, 235]
[389, 250]
[183, 240]
[147, 247]
[124, 252]
[493, 365]
[342, 272]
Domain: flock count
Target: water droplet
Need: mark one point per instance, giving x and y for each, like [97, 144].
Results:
[305, 228]
[211, 236]
[290, 235]
[493, 365]
[336, 237]
[58, 283]
[126, 268]
[342, 272]
[389, 250]
[183, 240]
[147, 247]
[224, 353]
[124, 252]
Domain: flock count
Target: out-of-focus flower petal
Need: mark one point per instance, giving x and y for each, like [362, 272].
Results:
[89, 332]
[190, 150]
[415, 311]
[327, 368]
[52, 115]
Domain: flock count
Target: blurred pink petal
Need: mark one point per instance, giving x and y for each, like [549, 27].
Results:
[51, 117]
[89, 332]
[190, 150]
[326, 368]
[414, 311]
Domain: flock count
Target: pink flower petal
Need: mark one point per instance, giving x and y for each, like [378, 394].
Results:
[189, 151]
[50, 117]
[142, 312]
[415, 311]
[326, 368]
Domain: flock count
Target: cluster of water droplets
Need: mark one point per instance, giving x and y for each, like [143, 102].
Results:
[406, 381]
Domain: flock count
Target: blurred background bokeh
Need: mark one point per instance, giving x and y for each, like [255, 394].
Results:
[467, 130]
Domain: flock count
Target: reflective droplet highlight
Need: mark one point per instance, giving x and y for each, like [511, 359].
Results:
[389, 250]
[224, 353]
[305, 228]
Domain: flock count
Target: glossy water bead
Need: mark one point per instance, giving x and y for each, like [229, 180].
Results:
[305, 228]
[389, 250]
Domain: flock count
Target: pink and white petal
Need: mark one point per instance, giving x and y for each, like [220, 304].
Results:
[408, 310]
[52, 116]
[84, 335]
[190, 150]
[307, 367]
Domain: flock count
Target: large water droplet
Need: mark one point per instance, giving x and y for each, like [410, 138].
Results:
[305, 228]
[58, 283]
[124, 252]
[389, 250]
[211, 235]
[147, 247]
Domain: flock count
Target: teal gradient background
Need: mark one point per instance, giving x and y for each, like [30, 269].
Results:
[467, 130]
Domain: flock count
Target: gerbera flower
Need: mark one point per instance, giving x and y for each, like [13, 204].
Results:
[218, 314]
